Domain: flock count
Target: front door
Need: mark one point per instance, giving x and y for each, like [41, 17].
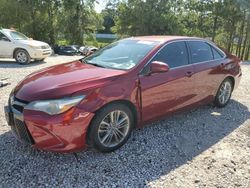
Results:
[6, 46]
[162, 93]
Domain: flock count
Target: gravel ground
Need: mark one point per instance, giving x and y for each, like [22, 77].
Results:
[205, 147]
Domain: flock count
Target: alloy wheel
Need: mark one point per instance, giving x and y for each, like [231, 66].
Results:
[114, 128]
[225, 92]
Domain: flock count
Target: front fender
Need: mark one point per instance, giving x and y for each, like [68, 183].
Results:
[120, 90]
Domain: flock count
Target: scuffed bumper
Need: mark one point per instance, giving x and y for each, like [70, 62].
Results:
[58, 133]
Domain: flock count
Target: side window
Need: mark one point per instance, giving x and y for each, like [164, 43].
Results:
[200, 51]
[174, 54]
[1, 36]
[217, 55]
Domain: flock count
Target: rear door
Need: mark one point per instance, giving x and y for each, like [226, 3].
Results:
[207, 61]
[166, 92]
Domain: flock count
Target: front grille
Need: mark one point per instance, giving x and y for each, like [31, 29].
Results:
[22, 101]
[19, 104]
[19, 108]
[20, 130]
[46, 53]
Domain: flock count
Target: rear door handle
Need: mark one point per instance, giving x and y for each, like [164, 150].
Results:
[189, 73]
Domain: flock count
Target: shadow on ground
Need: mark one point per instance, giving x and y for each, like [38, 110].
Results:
[13, 64]
[152, 152]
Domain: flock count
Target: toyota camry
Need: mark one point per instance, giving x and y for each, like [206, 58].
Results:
[98, 100]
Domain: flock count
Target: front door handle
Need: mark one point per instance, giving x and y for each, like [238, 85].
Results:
[189, 73]
[222, 65]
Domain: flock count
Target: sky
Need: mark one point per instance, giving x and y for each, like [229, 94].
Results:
[100, 6]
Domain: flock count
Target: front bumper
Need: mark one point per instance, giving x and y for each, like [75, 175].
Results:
[237, 79]
[40, 53]
[18, 126]
[59, 133]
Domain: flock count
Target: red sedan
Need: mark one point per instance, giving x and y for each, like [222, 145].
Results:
[98, 100]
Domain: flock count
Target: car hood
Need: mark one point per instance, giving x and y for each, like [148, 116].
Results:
[32, 42]
[63, 80]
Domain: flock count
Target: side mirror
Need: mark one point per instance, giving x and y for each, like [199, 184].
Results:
[158, 67]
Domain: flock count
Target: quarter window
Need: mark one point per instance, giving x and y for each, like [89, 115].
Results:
[217, 55]
[174, 54]
[200, 51]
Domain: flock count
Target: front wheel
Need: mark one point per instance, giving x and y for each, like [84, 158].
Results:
[22, 56]
[224, 93]
[111, 128]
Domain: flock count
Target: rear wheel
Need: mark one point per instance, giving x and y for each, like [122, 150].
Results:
[22, 56]
[110, 128]
[224, 93]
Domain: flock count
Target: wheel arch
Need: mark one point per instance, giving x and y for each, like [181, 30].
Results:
[18, 48]
[125, 102]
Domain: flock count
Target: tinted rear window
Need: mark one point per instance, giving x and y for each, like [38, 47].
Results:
[200, 51]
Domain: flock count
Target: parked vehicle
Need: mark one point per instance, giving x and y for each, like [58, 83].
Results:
[99, 100]
[81, 49]
[68, 50]
[87, 51]
[16, 45]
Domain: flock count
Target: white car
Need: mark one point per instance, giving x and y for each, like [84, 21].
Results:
[16, 45]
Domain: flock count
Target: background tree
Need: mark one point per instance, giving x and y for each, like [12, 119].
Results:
[226, 22]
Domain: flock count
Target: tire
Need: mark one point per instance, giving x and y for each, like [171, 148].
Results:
[105, 135]
[22, 56]
[224, 93]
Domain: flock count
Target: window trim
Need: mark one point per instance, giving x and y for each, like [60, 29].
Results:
[189, 53]
[215, 49]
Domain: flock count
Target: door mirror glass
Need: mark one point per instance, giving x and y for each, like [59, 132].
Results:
[158, 67]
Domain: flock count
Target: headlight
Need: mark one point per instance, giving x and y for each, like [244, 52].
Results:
[35, 47]
[57, 106]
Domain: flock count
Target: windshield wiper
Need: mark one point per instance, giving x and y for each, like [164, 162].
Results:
[95, 64]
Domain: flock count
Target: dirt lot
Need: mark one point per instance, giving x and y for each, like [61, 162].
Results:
[205, 147]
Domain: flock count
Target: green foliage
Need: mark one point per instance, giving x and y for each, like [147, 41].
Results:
[51, 20]
[227, 22]
[147, 17]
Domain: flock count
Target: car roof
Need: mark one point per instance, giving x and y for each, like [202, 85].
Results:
[163, 38]
[7, 30]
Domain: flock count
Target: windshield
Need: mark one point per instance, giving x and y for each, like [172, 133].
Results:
[18, 36]
[124, 54]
